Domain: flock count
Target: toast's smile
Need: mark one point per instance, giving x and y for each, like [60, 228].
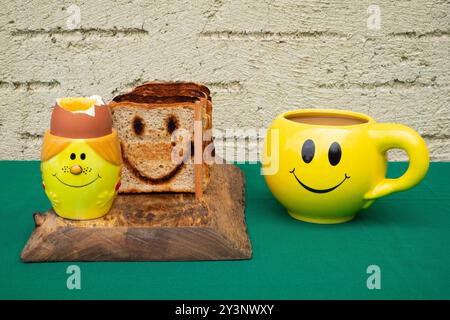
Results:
[318, 190]
[141, 174]
[76, 186]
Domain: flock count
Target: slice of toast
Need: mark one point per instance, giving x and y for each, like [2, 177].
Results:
[155, 124]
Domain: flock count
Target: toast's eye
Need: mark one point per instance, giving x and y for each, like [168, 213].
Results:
[308, 150]
[172, 124]
[83, 156]
[334, 154]
[73, 156]
[138, 125]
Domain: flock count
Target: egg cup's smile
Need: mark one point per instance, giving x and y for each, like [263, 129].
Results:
[75, 186]
[318, 190]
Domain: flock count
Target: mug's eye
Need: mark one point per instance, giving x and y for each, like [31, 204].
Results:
[308, 150]
[73, 156]
[334, 154]
[83, 156]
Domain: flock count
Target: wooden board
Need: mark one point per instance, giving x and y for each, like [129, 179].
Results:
[152, 227]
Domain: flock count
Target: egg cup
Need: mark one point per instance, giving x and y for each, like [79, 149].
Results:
[81, 159]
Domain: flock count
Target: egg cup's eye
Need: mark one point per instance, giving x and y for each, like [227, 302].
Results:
[334, 154]
[83, 156]
[308, 150]
[73, 156]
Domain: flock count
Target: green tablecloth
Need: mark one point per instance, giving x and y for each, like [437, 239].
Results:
[406, 234]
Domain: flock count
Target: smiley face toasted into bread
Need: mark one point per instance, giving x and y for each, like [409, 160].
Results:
[155, 124]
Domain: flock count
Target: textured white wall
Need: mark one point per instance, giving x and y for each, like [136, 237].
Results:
[258, 57]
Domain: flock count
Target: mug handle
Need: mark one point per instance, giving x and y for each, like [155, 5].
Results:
[388, 136]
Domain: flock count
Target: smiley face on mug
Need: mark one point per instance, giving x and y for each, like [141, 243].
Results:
[334, 157]
[321, 175]
[326, 174]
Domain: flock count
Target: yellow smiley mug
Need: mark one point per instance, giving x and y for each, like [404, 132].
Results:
[325, 165]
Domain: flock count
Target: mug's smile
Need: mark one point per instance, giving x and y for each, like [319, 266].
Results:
[319, 190]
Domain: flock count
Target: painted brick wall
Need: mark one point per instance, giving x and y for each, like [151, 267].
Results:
[258, 57]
